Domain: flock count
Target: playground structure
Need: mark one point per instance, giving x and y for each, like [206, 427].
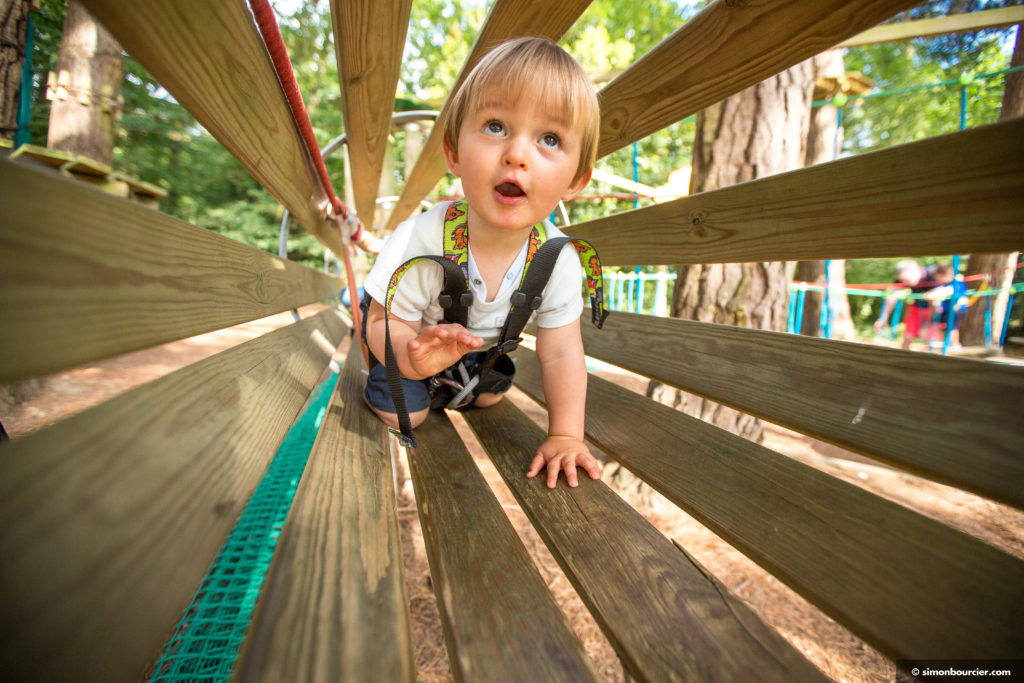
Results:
[112, 517]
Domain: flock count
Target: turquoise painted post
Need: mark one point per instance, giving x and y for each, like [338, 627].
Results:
[800, 309]
[22, 135]
[1006, 321]
[894, 319]
[791, 315]
[951, 313]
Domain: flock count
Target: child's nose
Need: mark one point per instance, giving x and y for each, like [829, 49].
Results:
[515, 153]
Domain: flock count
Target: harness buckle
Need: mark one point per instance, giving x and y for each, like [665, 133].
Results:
[519, 298]
[447, 301]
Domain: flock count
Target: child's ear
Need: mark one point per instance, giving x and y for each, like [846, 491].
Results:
[577, 186]
[452, 157]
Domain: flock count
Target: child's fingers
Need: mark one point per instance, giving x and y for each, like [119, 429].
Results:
[554, 466]
[591, 466]
[536, 466]
[570, 475]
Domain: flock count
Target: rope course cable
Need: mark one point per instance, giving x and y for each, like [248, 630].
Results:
[266, 21]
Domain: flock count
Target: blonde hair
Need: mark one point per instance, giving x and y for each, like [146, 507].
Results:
[539, 63]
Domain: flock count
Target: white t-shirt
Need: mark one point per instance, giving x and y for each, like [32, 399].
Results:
[416, 299]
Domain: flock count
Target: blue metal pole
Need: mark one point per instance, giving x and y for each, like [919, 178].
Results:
[963, 107]
[894, 319]
[800, 310]
[951, 313]
[22, 135]
[1006, 321]
[988, 322]
[825, 318]
[790, 317]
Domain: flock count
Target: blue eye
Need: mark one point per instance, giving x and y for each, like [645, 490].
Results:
[494, 128]
[550, 140]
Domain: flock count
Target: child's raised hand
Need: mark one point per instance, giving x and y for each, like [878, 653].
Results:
[564, 453]
[440, 346]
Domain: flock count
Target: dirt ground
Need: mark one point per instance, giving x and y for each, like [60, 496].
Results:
[837, 652]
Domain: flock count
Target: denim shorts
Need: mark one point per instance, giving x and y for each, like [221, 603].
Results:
[417, 392]
[417, 396]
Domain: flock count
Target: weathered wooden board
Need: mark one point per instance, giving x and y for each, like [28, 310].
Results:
[111, 518]
[369, 37]
[954, 23]
[955, 420]
[507, 19]
[210, 57]
[724, 49]
[666, 620]
[958, 193]
[500, 621]
[333, 607]
[908, 585]
[85, 276]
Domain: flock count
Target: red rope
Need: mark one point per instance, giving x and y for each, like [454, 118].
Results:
[267, 23]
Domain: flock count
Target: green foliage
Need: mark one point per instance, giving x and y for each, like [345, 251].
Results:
[917, 83]
[162, 143]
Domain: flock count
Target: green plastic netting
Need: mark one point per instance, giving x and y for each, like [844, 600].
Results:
[205, 642]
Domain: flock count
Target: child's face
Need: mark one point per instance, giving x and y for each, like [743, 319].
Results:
[516, 161]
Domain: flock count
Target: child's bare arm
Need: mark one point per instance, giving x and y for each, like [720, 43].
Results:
[420, 353]
[564, 373]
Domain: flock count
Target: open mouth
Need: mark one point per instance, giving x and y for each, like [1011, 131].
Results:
[510, 189]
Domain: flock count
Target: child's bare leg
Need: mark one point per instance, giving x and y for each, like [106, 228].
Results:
[391, 419]
[487, 400]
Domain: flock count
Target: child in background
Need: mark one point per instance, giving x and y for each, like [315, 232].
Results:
[522, 135]
[949, 291]
[919, 279]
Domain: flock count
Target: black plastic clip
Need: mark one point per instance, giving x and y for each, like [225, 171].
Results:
[519, 299]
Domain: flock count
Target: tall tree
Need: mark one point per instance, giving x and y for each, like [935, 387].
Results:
[13, 23]
[86, 106]
[823, 144]
[999, 266]
[756, 133]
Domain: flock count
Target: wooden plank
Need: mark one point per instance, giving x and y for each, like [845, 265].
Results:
[210, 57]
[937, 26]
[884, 403]
[369, 38]
[111, 517]
[958, 193]
[333, 607]
[908, 585]
[724, 49]
[506, 19]
[665, 619]
[85, 276]
[500, 621]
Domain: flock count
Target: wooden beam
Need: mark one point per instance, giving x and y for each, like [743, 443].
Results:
[210, 57]
[112, 517]
[369, 38]
[333, 607]
[729, 46]
[507, 19]
[958, 193]
[87, 276]
[922, 28]
[666, 620]
[500, 621]
[864, 398]
[843, 548]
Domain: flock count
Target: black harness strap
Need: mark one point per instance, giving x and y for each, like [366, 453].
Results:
[455, 299]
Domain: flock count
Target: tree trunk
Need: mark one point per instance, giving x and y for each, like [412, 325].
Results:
[86, 101]
[13, 23]
[756, 133]
[998, 266]
[824, 140]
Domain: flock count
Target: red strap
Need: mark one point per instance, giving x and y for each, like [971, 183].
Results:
[267, 23]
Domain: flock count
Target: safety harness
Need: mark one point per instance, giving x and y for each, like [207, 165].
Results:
[458, 386]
